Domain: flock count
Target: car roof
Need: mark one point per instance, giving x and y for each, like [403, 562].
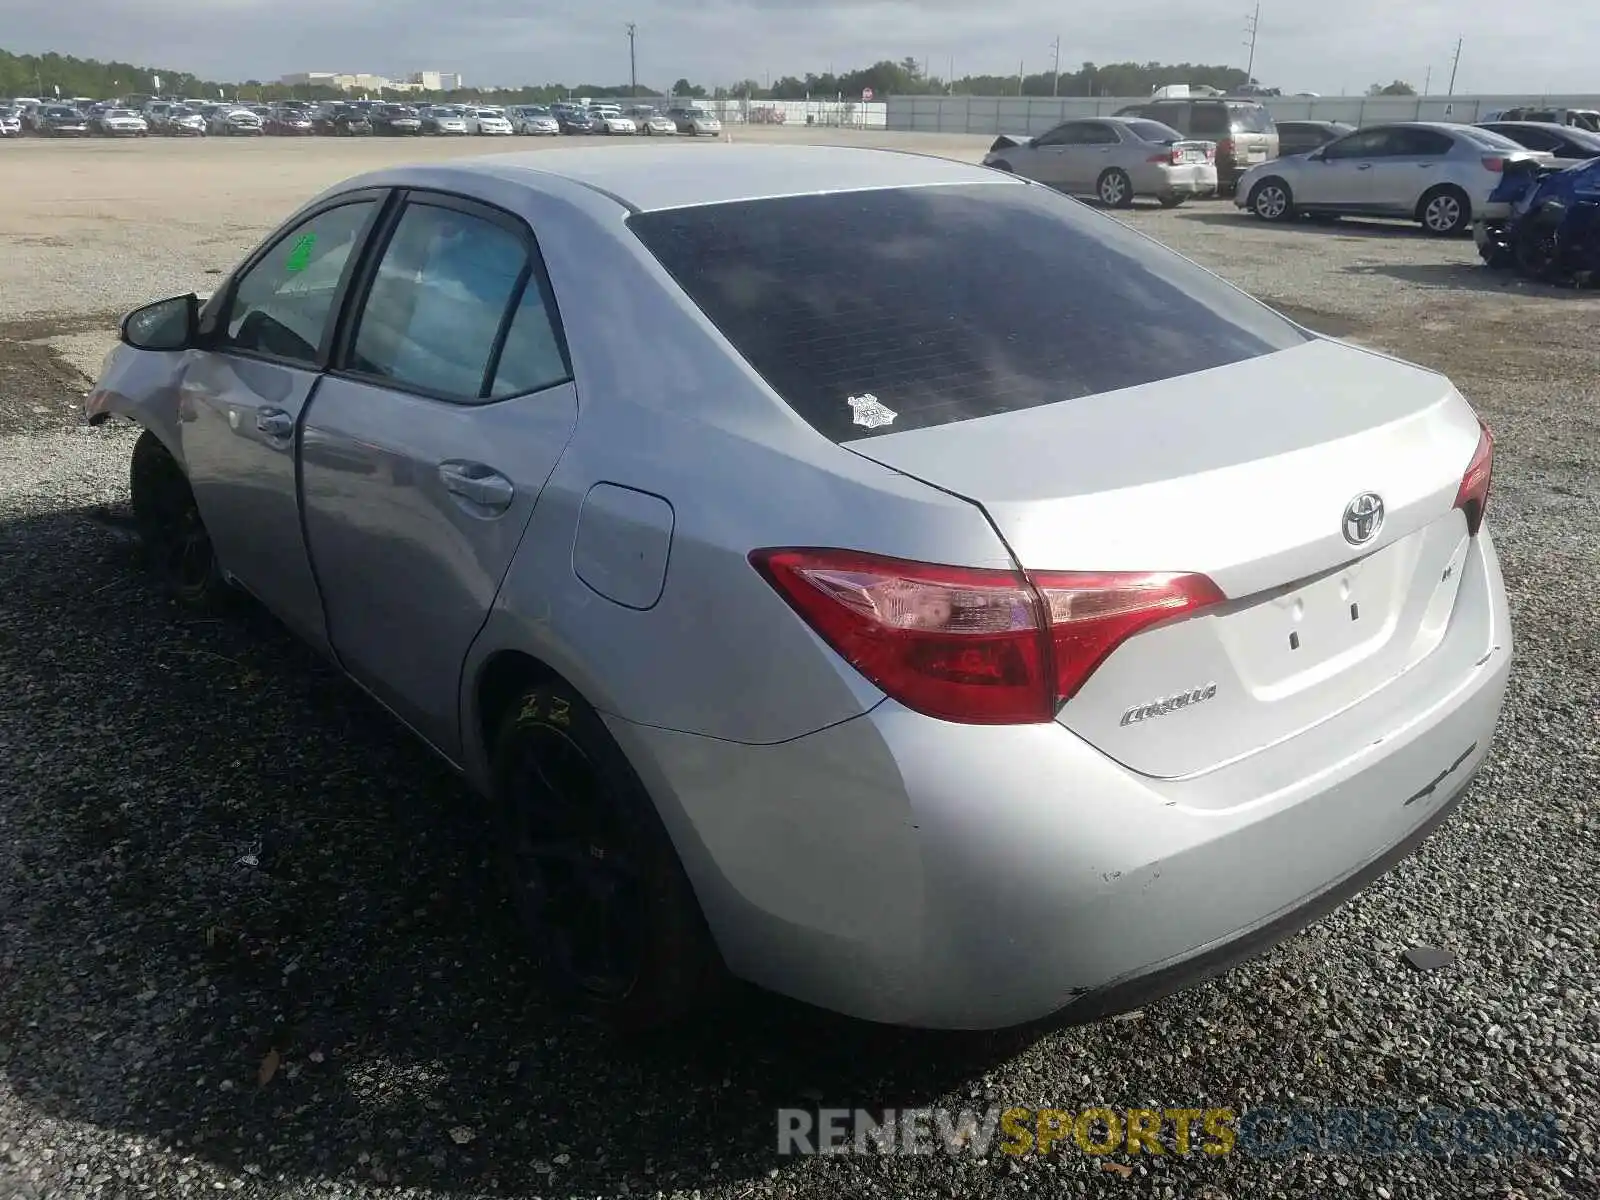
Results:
[652, 178]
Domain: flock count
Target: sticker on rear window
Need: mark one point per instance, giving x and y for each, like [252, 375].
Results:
[870, 411]
[300, 255]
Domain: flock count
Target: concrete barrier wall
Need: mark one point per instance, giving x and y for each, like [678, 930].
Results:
[1035, 114]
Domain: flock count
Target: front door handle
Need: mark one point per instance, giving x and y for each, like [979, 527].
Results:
[274, 422]
[1364, 167]
[483, 486]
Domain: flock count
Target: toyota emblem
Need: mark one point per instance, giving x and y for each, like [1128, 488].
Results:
[1363, 517]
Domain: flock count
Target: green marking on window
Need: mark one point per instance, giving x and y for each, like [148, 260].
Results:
[300, 255]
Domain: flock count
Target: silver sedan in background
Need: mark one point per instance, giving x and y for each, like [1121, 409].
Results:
[874, 653]
[1435, 173]
[1114, 159]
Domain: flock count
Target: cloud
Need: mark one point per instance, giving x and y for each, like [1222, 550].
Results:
[1302, 46]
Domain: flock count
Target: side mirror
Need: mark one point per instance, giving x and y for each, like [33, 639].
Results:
[165, 325]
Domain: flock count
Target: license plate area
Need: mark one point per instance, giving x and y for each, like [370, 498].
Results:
[1307, 634]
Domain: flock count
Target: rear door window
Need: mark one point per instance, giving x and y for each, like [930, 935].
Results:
[1210, 121]
[943, 304]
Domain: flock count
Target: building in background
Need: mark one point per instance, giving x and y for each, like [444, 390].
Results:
[432, 81]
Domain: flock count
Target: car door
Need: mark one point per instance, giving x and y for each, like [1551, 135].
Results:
[1413, 160]
[1095, 150]
[449, 400]
[1046, 158]
[264, 340]
[1340, 178]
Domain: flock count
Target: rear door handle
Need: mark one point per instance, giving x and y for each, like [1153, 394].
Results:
[274, 422]
[483, 486]
[1364, 167]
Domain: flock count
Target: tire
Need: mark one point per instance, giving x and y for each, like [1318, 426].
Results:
[587, 860]
[170, 527]
[1114, 188]
[1445, 211]
[1171, 201]
[1271, 200]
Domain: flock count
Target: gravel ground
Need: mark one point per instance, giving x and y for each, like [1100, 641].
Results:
[246, 940]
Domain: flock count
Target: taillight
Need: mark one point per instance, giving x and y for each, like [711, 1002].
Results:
[1090, 615]
[1472, 497]
[976, 646]
[1494, 163]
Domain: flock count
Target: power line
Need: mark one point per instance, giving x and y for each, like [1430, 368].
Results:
[633, 65]
[1454, 63]
[1251, 23]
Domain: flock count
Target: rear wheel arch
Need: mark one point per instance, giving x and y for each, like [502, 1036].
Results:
[500, 681]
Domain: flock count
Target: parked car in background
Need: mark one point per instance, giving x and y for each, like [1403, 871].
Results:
[58, 120]
[1567, 145]
[340, 120]
[1434, 173]
[576, 121]
[533, 120]
[1582, 118]
[1112, 158]
[10, 121]
[487, 122]
[1302, 137]
[180, 120]
[609, 120]
[651, 122]
[959, 702]
[120, 122]
[1243, 130]
[235, 121]
[289, 122]
[395, 120]
[443, 120]
[694, 120]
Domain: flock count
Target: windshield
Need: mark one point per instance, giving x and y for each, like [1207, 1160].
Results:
[484, 113]
[1154, 131]
[948, 303]
[120, 112]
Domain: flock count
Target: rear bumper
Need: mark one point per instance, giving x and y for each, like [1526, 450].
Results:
[907, 870]
[1195, 179]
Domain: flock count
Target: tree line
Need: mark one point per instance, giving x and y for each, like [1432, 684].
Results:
[42, 74]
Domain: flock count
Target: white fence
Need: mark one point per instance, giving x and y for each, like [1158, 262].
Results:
[848, 114]
[1035, 114]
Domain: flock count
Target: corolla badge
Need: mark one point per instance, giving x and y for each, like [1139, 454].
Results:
[870, 411]
[1363, 517]
[1169, 704]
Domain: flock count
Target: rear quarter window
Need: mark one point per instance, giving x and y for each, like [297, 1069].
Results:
[949, 303]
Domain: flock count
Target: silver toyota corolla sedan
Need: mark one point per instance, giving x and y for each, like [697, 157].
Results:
[966, 611]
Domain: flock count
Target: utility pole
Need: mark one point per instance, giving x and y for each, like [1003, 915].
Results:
[1454, 63]
[1427, 79]
[633, 65]
[1055, 70]
[1019, 76]
[1251, 23]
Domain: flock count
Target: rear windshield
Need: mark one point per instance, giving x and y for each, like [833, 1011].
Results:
[1487, 137]
[1250, 118]
[947, 303]
[1154, 131]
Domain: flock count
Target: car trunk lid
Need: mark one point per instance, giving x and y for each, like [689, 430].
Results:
[1244, 474]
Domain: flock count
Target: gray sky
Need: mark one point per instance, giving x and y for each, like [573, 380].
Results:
[1304, 45]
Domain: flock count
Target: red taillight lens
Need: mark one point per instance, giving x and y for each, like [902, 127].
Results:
[1092, 614]
[1493, 163]
[980, 647]
[1472, 497]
